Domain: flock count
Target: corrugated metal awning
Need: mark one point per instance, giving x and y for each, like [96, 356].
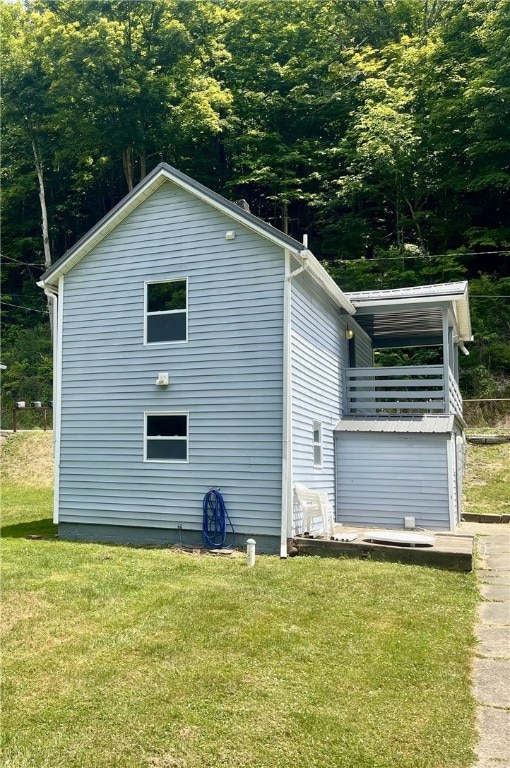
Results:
[399, 329]
[422, 424]
[411, 316]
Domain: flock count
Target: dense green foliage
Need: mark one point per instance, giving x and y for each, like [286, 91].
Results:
[378, 127]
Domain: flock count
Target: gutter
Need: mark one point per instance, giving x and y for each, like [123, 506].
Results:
[287, 485]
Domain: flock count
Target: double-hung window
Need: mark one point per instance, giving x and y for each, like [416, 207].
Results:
[166, 436]
[166, 311]
[317, 444]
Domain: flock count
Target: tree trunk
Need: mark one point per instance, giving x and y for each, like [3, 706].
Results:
[285, 217]
[127, 164]
[44, 221]
[143, 164]
[417, 225]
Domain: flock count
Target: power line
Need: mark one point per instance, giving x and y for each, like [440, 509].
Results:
[23, 263]
[423, 256]
[18, 306]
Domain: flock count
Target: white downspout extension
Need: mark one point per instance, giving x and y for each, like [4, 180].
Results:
[287, 490]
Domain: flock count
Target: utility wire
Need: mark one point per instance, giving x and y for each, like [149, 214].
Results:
[18, 306]
[423, 256]
[23, 263]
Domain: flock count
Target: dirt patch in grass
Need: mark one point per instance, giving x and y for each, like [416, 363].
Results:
[27, 459]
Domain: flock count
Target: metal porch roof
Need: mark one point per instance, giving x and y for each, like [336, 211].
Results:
[408, 315]
[422, 424]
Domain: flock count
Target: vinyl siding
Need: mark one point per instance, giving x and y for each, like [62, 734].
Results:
[381, 478]
[228, 376]
[364, 351]
[317, 330]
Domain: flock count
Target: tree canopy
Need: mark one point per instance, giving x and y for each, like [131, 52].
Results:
[378, 127]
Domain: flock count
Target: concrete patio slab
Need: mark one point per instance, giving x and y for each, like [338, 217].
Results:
[497, 592]
[498, 562]
[494, 613]
[491, 677]
[494, 729]
[494, 642]
[495, 545]
[450, 551]
[492, 577]
[483, 529]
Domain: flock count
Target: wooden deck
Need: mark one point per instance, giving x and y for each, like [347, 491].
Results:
[451, 551]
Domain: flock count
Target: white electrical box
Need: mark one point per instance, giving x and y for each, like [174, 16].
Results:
[409, 523]
[162, 380]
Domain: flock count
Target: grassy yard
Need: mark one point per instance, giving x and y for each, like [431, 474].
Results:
[145, 658]
[488, 479]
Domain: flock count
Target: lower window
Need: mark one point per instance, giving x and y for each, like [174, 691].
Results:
[166, 436]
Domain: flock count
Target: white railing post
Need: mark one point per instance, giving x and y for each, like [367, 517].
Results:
[446, 359]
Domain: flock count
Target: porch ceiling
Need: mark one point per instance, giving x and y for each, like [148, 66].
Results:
[416, 328]
[411, 317]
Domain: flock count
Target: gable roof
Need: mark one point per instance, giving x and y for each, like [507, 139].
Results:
[162, 173]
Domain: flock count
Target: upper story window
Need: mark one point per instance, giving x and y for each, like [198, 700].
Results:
[166, 310]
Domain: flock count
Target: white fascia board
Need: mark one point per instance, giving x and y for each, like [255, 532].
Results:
[328, 284]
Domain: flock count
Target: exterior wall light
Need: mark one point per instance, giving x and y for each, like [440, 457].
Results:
[349, 333]
[230, 235]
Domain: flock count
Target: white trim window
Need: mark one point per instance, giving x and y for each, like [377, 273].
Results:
[166, 436]
[317, 444]
[166, 311]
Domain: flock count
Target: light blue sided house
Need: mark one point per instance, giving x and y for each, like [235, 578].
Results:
[198, 347]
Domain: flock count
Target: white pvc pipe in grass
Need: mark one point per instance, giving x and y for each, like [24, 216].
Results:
[250, 553]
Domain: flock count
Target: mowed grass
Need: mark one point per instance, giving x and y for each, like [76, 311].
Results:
[134, 658]
[487, 480]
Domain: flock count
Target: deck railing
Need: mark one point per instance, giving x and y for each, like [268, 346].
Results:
[410, 389]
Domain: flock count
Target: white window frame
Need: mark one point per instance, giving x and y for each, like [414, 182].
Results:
[146, 313]
[149, 437]
[317, 426]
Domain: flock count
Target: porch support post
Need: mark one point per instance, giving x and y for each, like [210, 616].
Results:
[454, 344]
[446, 359]
[456, 361]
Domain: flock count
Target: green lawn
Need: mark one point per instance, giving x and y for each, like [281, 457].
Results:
[487, 479]
[145, 658]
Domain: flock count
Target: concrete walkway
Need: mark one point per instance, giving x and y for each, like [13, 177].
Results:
[491, 667]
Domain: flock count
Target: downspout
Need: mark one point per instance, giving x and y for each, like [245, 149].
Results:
[53, 295]
[287, 490]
